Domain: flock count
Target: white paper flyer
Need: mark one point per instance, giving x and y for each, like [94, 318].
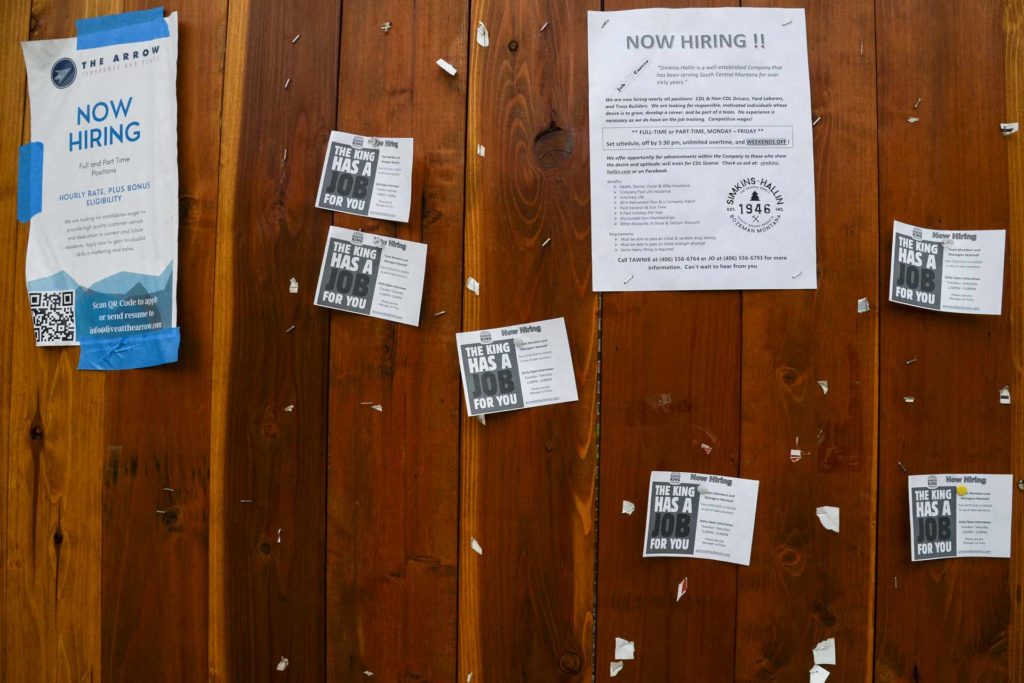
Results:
[372, 275]
[956, 271]
[700, 515]
[367, 176]
[99, 182]
[960, 515]
[516, 367]
[701, 151]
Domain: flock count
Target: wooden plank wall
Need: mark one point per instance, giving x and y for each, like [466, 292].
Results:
[178, 524]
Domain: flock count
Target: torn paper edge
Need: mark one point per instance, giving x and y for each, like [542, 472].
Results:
[823, 383]
[829, 517]
[473, 285]
[1004, 395]
[817, 674]
[624, 649]
[283, 664]
[628, 507]
[615, 668]
[681, 589]
[483, 39]
[825, 652]
[451, 70]
[475, 545]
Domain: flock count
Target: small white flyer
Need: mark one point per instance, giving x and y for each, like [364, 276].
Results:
[367, 176]
[700, 515]
[956, 271]
[372, 275]
[516, 367]
[960, 515]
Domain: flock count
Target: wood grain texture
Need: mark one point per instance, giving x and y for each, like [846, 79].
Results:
[805, 583]
[54, 484]
[268, 597]
[946, 620]
[394, 478]
[15, 18]
[528, 477]
[157, 428]
[685, 345]
[1013, 21]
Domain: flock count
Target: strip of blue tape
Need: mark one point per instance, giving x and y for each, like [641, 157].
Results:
[132, 352]
[30, 180]
[114, 29]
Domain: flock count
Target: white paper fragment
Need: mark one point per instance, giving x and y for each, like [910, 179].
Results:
[483, 39]
[1009, 128]
[293, 286]
[702, 489]
[475, 545]
[283, 664]
[912, 119]
[614, 669]
[908, 399]
[818, 674]
[823, 383]
[472, 285]
[289, 408]
[1004, 395]
[481, 151]
[795, 454]
[469, 677]
[706, 448]
[367, 673]
[863, 305]
[447, 67]
[681, 589]
[825, 652]
[829, 517]
[482, 419]
[624, 649]
[627, 507]
[378, 407]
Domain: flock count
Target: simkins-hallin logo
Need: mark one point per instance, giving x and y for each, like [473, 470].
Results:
[63, 73]
[755, 204]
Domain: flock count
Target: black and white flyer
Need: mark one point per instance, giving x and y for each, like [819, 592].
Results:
[960, 515]
[516, 367]
[955, 271]
[700, 515]
[367, 176]
[372, 275]
[701, 151]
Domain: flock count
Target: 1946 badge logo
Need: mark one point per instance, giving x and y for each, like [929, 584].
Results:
[755, 204]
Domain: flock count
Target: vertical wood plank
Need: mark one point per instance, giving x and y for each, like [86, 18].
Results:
[15, 18]
[946, 620]
[685, 345]
[268, 464]
[528, 477]
[156, 475]
[805, 583]
[393, 482]
[1013, 19]
[54, 485]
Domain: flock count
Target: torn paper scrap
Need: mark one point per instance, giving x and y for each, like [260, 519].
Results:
[823, 383]
[1004, 395]
[818, 674]
[475, 546]
[1009, 128]
[283, 664]
[829, 517]
[367, 673]
[825, 652]
[293, 286]
[624, 649]
[627, 507]
[483, 39]
[481, 151]
[681, 589]
[795, 454]
[482, 419]
[447, 67]
[472, 285]
[863, 305]
[614, 669]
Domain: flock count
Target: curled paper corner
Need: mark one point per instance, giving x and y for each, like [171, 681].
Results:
[282, 664]
[829, 517]
[481, 151]
[863, 305]
[293, 286]
[823, 383]
[817, 674]
[825, 652]
[451, 70]
[628, 507]
[1009, 128]
[483, 39]
[624, 649]
[1004, 395]
[795, 454]
[961, 490]
[615, 668]
[681, 589]
[482, 419]
[473, 285]
[475, 545]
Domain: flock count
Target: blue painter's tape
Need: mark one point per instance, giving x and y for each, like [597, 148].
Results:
[114, 29]
[30, 180]
[129, 353]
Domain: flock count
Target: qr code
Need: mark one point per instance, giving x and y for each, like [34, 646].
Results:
[53, 316]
